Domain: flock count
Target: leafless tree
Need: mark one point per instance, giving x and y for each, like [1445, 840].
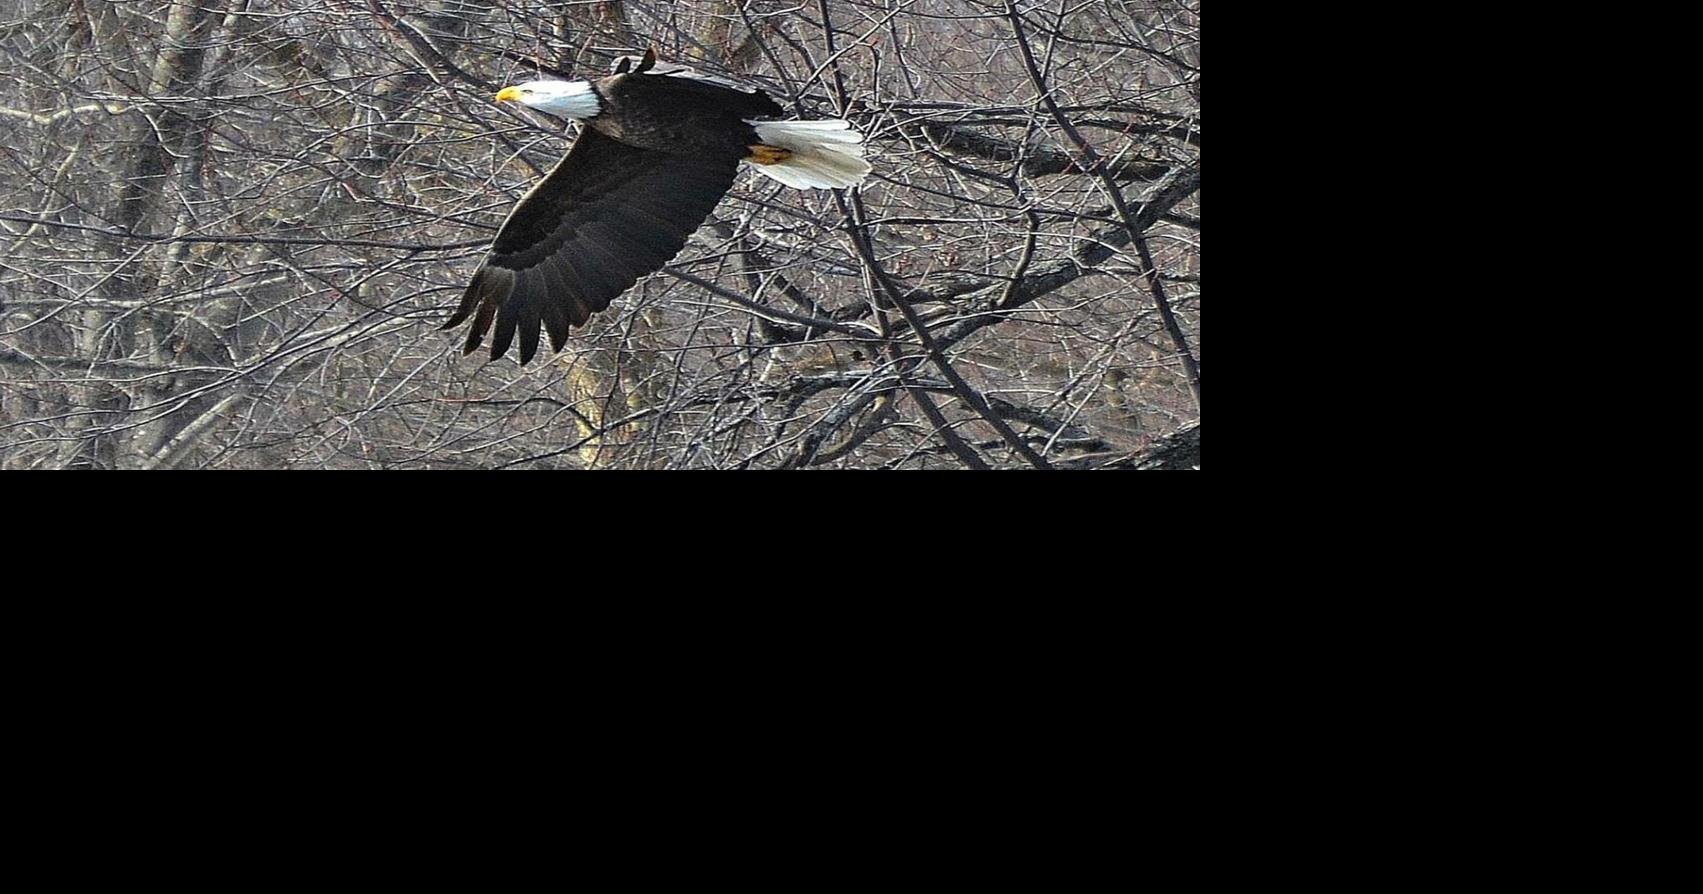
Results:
[229, 231]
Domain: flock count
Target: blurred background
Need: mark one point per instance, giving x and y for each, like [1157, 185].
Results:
[230, 230]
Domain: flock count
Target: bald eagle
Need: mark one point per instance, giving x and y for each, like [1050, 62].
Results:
[659, 145]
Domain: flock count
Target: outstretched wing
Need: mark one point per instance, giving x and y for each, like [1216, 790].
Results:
[608, 214]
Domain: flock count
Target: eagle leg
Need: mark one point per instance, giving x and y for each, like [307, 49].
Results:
[764, 154]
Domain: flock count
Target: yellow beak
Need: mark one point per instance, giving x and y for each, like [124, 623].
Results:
[508, 94]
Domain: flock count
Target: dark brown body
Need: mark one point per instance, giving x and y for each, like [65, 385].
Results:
[679, 115]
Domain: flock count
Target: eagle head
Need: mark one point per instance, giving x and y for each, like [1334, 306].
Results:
[569, 99]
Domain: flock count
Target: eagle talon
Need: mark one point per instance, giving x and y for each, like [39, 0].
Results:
[769, 155]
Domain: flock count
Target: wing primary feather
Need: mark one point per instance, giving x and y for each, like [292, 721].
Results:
[507, 315]
[606, 271]
[531, 305]
[481, 323]
[469, 300]
[577, 285]
[555, 308]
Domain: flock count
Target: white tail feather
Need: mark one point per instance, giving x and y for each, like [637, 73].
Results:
[825, 154]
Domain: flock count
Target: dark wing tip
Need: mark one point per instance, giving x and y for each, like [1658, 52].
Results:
[635, 64]
[508, 316]
[469, 300]
[488, 290]
[531, 315]
[505, 303]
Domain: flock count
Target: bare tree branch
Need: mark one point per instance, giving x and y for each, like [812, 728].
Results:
[229, 230]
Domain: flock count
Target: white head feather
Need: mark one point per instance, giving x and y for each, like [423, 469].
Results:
[569, 99]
